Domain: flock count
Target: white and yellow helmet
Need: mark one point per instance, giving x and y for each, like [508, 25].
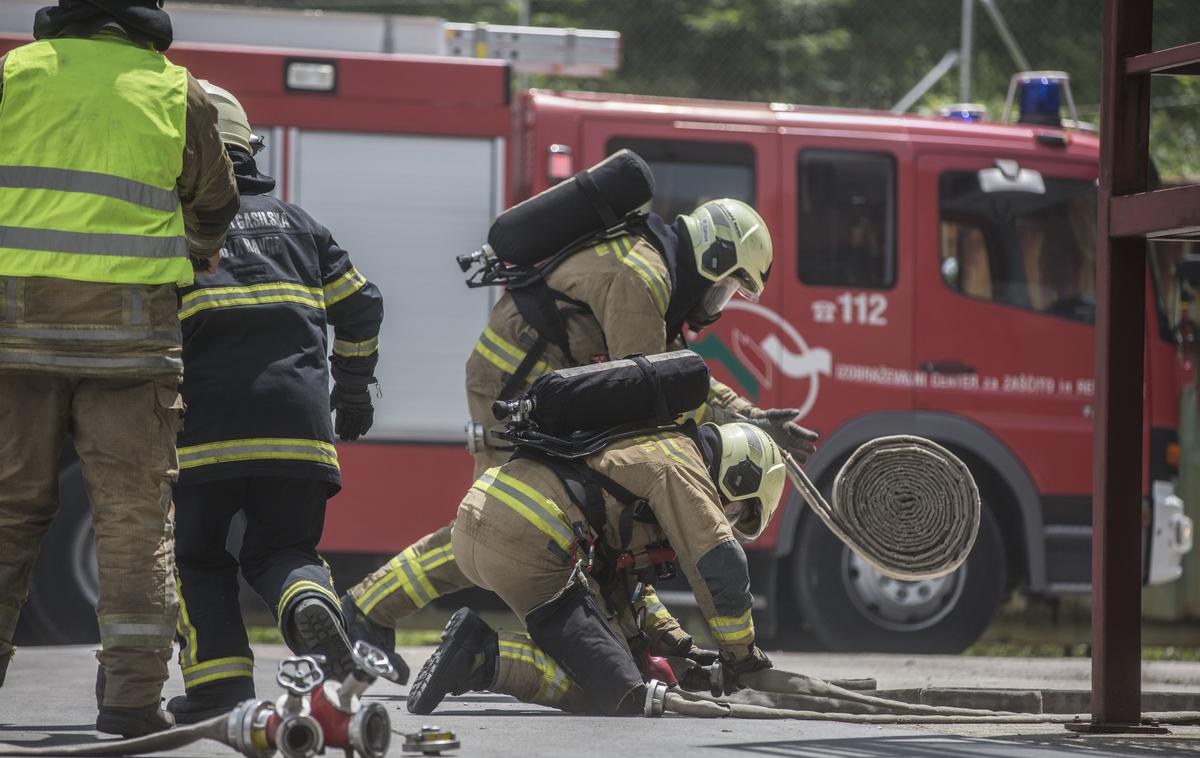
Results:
[232, 122]
[733, 249]
[750, 471]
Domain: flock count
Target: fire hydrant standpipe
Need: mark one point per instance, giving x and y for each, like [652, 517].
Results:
[313, 715]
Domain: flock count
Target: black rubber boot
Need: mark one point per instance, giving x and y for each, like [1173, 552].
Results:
[128, 722]
[317, 629]
[4, 659]
[208, 700]
[464, 662]
[359, 626]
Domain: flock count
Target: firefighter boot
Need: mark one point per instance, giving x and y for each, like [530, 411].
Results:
[4, 659]
[212, 699]
[318, 629]
[465, 661]
[128, 722]
[359, 626]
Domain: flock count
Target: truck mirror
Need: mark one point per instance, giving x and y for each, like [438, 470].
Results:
[1188, 270]
[1008, 177]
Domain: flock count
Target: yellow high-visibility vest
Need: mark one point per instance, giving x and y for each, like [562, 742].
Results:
[91, 146]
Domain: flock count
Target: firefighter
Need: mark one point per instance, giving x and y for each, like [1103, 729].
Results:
[258, 437]
[113, 175]
[632, 294]
[568, 569]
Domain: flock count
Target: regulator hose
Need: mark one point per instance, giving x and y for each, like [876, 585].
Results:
[907, 506]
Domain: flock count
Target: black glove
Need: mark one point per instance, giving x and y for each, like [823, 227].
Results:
[732, 670]
[353, 409]
[780, 424]
[702, 657]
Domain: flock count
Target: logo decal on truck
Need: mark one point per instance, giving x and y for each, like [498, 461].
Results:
[756, 354]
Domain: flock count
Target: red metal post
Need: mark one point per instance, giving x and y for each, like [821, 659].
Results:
[1120, 334]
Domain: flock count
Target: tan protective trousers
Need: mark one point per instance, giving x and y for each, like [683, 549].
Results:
[524, 581]
[124, 431]
[426, 569]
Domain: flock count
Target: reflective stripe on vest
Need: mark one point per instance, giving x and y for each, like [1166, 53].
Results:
[258, 449]
[91, 146]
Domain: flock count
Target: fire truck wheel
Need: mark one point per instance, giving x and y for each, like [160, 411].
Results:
[851, 607]
[61, 609]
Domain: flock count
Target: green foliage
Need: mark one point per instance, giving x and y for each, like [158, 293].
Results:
[849, 53]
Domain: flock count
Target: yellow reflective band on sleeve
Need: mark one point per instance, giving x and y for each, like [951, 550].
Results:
[408, 574]
[554, 683]
[716, 389]
[135, 630]
[304, 585]
[654, 607]
[217, 669]
[672, 449]
[208, 298]
[506, 356]
[624, 249]
[732, 630]
[535, 507]
[258, 449]
[344, 286]
[348, 349]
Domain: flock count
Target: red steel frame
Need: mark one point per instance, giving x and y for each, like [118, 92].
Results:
[1129, 213]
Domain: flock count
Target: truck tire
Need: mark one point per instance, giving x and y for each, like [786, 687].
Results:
[61, 609]
[850, 607]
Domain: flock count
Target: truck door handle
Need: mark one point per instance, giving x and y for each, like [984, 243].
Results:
[947, 367]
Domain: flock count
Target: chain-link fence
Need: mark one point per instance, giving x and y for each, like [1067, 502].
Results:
[855, 53]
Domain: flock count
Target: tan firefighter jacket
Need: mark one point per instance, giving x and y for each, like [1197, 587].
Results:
[625, 284]
[523, 509]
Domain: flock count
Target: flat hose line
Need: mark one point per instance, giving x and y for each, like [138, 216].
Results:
[215, 728]
[905, 505]
[775, 694]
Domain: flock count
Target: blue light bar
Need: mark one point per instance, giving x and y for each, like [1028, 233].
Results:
[968, 112]
[1040, 100]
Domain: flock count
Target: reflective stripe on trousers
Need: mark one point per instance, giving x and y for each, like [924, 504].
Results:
[408, 574]
[135, 630]
[535, 507]
[217, 669]
[554, 681]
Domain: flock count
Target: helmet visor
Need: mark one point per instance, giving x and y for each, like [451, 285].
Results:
[717, 296]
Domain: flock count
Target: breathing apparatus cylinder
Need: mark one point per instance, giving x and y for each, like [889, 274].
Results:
[651, 390]
[593, 200]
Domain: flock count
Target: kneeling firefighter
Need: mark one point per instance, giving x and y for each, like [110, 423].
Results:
[258, 437]
[570, 544]
[633, 291]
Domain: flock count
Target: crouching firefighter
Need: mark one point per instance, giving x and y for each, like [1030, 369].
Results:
[570, 544]
[632, 292]
[258, 437]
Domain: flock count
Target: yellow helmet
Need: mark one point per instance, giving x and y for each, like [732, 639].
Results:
[732, 247]
[751, 471]
[232, 122]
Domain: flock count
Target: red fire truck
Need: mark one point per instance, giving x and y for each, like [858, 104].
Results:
[933, 276]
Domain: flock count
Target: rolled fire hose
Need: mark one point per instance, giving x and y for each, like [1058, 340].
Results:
[905, 505]
[775, 694]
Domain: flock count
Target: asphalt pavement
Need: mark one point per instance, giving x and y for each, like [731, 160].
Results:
[48, 701]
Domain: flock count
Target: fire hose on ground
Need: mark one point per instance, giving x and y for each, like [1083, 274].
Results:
[911, 509]
[312, 715]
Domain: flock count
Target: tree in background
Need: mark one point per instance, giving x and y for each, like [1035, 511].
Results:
[848, 53]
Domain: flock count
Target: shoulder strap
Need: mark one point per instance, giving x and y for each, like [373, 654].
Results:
[603, 209]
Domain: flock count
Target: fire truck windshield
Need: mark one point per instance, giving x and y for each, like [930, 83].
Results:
[1031, 250]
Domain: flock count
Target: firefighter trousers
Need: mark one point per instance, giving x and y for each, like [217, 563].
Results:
[124, 432]
[562, 610]
[278, 558]
[422, 572]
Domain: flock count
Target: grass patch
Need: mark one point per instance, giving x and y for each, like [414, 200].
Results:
[1076, 650]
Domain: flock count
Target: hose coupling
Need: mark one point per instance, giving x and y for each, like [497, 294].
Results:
[656, 699]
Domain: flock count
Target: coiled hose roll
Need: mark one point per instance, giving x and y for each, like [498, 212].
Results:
[907, 506]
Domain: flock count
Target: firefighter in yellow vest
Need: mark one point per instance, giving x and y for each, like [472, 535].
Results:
[632, 294]
[114, 184]
[571, 571]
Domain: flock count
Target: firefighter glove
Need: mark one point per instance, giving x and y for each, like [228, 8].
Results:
[781, 425]
[732, 670]
[701, 657]
[353, 411]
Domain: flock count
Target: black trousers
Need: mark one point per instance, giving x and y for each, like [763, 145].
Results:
[278, 558]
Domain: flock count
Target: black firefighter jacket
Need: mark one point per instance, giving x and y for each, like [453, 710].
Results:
[255, 344]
